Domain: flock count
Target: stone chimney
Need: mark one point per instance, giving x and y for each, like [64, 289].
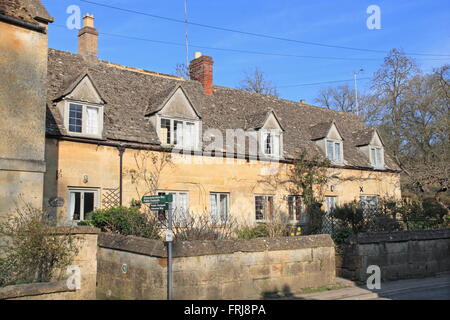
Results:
[88, 38]
[201, 70]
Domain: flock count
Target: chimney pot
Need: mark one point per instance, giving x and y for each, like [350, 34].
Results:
[88, 37]
[201, 70]
[197, 55]
[302, 101]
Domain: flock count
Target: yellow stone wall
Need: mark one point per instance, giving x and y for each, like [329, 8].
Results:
[69, 161]
[23, 87]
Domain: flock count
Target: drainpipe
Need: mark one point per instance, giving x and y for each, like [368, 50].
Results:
[121, 152]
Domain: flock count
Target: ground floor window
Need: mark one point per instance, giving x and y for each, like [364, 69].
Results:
[263, 208]
[180, 205]
[82, 202]
[219, 206]
[330, 204]
[369, 204]
[296, 209]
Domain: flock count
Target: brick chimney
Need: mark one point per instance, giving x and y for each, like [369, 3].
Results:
[88, 37]
[201, 69]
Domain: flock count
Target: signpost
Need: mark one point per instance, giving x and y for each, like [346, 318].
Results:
[164, 203]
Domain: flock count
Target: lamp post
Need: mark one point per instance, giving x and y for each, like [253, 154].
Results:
[356, 90]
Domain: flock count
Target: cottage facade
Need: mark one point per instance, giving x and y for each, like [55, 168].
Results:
[116, 133]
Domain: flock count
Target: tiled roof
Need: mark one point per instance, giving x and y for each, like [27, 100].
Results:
[30, 11]
[132, 94]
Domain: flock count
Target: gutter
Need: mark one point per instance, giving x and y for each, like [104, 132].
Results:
[23, 24]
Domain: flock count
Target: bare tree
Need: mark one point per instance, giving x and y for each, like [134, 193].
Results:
[340, 98]
[255, 81]
[182, 71]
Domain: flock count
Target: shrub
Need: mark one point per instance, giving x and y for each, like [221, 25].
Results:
[125, 221]
[341, 235]
[350, 216]
[202, 227]
[252, 232]
[315, 216]
[34, 250]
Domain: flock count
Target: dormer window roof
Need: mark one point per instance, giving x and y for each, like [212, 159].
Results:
[81, 106]
[329, 139]
[371, 144]
[270, 132]
[177, 121]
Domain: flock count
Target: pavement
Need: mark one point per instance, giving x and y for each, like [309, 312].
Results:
[435, 288]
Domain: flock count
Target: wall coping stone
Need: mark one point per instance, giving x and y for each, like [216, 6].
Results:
[399, 236]
[33, 289]
[77, 230]
[199, 248]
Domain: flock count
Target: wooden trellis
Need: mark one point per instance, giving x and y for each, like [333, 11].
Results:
[110, 198]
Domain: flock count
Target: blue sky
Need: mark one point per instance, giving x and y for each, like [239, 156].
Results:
[416, 26]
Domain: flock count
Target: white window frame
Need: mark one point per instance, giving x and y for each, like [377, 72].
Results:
[84, 123]
[276, 152]
[341, 153]
[82, 191]
[335, 203]
[196, 137]
[218, 218]
[373, 161]
[295, 209]
[175, 203]
[266, 196]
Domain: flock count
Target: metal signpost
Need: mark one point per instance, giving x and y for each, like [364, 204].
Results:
[164, 203]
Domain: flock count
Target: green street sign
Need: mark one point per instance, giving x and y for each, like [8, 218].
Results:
[159, 207]
[158, 199]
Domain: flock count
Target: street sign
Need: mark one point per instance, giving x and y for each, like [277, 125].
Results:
[158, 199]
[159, 206]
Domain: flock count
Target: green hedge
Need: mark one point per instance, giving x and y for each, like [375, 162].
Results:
[125, 221]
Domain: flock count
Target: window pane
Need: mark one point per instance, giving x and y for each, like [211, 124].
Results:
[337, 152]
[298, 208]
[75, 206]
[291, 207]
[92, 121]
[379, 161]
[330, 150]
[276, 144]
[268, 143]
[223, 207]
[269, 207]
[165, 131]
[178, 135]
[213, 199]
[190, 136]
[89, 198]
[373, 156]
[76, 118]
[259, 207]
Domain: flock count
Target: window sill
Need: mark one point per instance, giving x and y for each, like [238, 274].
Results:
[83, 135]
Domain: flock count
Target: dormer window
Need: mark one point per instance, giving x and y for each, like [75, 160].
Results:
[83, 119]
[334, 151]
[271, 143]
[376, 157]
[179, 133]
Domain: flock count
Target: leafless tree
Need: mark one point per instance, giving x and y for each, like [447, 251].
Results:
[182, 71]
[255, 81]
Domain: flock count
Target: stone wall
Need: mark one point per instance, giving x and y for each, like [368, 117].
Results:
[86, 260]
[400, 255]
[136, 268]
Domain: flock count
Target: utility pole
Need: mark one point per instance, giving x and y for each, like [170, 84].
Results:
[187, 32]
[356, 90]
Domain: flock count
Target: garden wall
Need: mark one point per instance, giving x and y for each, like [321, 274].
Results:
[400, 255]
[136, 268]
[86, 260]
